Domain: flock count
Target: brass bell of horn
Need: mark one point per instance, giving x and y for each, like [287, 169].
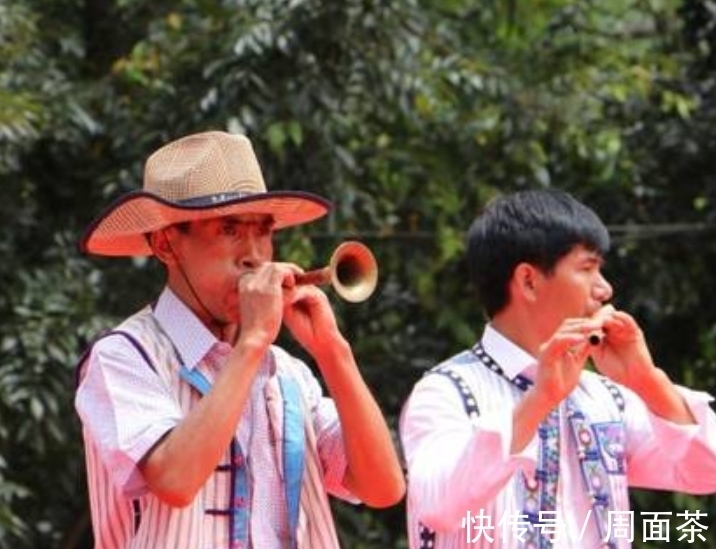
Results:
[352, 271]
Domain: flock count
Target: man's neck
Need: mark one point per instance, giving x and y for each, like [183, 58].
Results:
[519, 330]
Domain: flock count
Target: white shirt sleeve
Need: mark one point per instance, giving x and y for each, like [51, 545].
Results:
[125, 409]
[668, 456]
[455, 463]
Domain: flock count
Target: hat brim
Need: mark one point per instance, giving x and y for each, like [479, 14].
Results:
[122, 228]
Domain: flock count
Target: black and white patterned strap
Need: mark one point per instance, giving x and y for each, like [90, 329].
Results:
[427, 536]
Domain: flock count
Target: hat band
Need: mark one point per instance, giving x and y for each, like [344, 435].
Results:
[212, 199]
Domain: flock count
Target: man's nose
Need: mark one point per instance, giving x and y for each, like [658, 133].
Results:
[603, 289]
[251, 257]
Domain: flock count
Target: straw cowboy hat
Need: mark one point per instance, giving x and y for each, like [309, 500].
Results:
[200, 176]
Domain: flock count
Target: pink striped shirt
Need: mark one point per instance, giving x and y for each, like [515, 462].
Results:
[126, 407]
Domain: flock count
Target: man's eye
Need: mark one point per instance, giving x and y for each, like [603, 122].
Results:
[230, 230]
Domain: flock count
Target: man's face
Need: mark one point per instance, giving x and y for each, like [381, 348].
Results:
[213, 254]
[576, 288]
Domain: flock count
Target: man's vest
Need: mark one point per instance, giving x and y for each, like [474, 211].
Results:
[120, 522]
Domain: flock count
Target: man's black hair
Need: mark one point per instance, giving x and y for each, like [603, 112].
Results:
[538, 227]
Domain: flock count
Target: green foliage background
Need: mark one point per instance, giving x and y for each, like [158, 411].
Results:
[409, 115]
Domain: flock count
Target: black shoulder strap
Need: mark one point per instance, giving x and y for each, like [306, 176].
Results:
[133, 340]
[468, 399]
[615, 392]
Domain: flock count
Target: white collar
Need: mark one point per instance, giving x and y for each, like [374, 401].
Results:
[190, 336]
[513, 360]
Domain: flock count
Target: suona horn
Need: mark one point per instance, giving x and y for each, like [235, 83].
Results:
[352, 272]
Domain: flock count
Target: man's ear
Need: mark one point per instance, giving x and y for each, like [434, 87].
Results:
[525, 279]
[162, 248]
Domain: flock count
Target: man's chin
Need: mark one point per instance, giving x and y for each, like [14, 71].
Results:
[231, 319]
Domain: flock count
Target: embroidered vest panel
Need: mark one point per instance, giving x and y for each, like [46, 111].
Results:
[477, 399]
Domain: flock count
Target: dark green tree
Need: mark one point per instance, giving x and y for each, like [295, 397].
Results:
[410, 115]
